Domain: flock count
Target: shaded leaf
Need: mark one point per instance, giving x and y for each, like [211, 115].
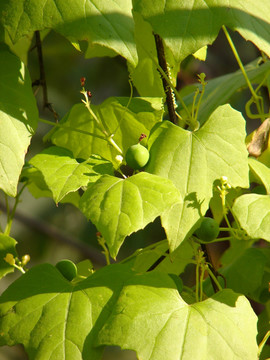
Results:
[55, 319]
[253, 213]
[156, 323]
[140, 116]
[64, 174]
[245, 274]
[107, 23]
[119, 207]
[18, 118]
[219, 90]
[193, 161]
[188, 26]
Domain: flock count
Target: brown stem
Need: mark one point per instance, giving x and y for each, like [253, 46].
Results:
[42, 77]
[168, 91]
[52, 232]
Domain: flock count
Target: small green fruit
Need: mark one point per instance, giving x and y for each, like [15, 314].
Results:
[208, 230]
[137, 156]
[67, 268]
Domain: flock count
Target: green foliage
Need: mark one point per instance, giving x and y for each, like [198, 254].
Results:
[158, 301]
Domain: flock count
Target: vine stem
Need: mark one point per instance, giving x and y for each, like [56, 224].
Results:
[108, 137]
[166, 86]
[168, 82]
[10, 214]
[261, 345]
[237, 57]
[42, 77]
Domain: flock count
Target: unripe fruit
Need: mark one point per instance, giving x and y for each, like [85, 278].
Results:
[67, 268]
[208, 230]
[137, 156]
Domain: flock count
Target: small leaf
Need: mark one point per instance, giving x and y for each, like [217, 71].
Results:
[152, 319]
[7, 246]
[261, 172]
[253, 213]
[63, 174]
[120, 207]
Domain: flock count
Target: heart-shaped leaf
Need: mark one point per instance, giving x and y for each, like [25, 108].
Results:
[64, 174]
[56, 319]
[194, 160]
[153, 320]
[119, 207]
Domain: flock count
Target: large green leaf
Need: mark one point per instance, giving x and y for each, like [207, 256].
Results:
[139, 117]
[152, 319]
[64, 174]
[194, 160]
[119, 207]
[55, 319]
[104, 24]
[187, 26]
[7, 246]
[253, 213]
[18, 118]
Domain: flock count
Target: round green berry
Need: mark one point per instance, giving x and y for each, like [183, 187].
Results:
[208, 230]
[67, 268]
[137, 156]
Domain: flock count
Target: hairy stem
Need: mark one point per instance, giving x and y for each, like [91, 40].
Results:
[168, 90]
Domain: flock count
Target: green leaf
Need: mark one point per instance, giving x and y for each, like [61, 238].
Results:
[253, 213]
[245, 274]
[193, 161]
[18, 118]
[151, 318]
[218, 91]
[261, 172]
[139, 117]
[64, 174]
[106, 23]
[119, 207]
[145, 76]
[188, 26]
[7, 246]
[56, 319]
[176, 262]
